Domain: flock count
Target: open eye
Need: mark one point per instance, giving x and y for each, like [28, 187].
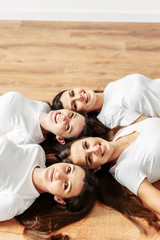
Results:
[67, 127]
[72, 93]
[74, 106]
[72, 114]
[66, 186]
[89, 159]
[68, 170]
[86, 144]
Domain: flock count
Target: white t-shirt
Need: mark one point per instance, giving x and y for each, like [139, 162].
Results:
[142, 158]
[19, 118]
[128, 98]
[17, 191]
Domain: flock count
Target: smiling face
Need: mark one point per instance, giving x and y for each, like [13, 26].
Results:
[79, 100]
[63, 180]
[65, 123]
[90, 152]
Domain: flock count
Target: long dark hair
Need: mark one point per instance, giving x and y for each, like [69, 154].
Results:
[46, 216]
[112, 194]
[56, 102]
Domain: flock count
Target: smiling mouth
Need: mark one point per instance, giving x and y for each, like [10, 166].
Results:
[57, 117]
[102, 150]
[85, 96]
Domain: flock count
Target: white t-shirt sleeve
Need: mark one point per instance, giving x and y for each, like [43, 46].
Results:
[118, 116]
[130, 177]
[10, 206]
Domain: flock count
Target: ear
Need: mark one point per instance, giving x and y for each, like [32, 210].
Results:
[97, 169]
[59, 200]
[60, 140]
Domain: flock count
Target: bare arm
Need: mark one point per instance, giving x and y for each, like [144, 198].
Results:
[141, 118]
[149, 195]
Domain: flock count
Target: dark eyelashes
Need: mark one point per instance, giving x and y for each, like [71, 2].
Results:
[86, 144]
[89, 159]
[69, 170]
[75, 107]
[72, 93]
[66, 186]
[72, 114]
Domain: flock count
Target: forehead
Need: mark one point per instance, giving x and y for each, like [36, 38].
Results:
[77, 153]
[61, 164]
[77, 123]
[65, 99]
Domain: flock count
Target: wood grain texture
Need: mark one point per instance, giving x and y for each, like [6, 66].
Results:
[39, 59]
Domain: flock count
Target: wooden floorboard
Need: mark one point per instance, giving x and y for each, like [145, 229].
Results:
[40, 59]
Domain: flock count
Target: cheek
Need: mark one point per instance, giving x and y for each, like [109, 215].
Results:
[81, 107]
[60, 129]
[75, 159]
[93, 98]
[56, 188]
[96, 162]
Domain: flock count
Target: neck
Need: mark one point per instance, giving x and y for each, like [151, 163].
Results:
[43, 123]
[121, 144]
[99, 102]
[37, 180]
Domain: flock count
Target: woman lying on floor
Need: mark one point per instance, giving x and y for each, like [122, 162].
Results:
[122, 102]
[24, 179]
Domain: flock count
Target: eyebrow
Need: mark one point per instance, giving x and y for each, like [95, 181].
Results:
[70, 185]
[85, 160]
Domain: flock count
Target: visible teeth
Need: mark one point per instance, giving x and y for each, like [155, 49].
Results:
[102, 149]
[57, 117]
[86, 98]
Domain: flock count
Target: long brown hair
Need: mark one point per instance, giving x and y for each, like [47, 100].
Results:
[46, 216]
[112, 194]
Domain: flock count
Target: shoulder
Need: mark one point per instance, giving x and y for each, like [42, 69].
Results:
[134, 80]
[13, 94]
[36, 152]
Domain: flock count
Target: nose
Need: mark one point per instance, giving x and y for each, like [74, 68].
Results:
[78, 97]
[94, 149]
[59, 175]
[64, 117]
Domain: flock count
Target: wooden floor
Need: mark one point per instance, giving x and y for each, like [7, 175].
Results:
[40, 59]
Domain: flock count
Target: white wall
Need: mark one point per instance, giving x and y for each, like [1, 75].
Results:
[81, 10]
